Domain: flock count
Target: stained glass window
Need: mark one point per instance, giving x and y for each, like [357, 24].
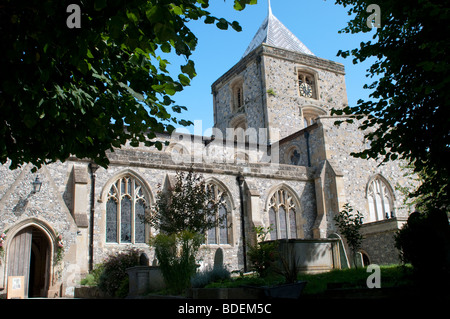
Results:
[111, 220]
[283, 224]
[125, 211]
[221, 233]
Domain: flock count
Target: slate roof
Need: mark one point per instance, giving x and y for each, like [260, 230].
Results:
[274, 33]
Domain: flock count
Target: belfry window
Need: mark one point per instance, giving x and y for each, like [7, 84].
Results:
[282, 215]
[380, 199]
[238, 97]
[239, 126]
[221, 233]
[125, 212]
[237, 89]
[307, 85]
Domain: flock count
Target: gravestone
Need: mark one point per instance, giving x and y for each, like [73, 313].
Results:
[144, 260]
[218, 259]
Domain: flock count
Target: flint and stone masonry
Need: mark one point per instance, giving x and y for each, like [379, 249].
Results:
[290, 169]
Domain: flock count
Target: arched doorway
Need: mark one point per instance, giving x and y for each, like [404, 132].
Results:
[365, 259]
[29, 256]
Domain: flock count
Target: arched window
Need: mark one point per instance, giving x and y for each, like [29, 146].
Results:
[292, 156]
[283, 215]
[365, 258]
[239, 126]
[125, 212]
[237, 91]
[380, 199]
[221, 234]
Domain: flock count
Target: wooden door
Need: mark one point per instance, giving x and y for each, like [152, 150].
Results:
[19, 256]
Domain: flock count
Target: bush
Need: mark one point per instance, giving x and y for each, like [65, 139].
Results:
[114, 271]
[176, 254]
[424, 241]
[93, 278]
[349, 225]
[262, 254]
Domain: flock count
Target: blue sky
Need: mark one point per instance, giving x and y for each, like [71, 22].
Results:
[315, 22]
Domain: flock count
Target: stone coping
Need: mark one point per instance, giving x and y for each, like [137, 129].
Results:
[381, 226]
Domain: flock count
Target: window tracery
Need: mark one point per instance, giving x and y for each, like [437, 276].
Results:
[282, 215]
[221, 234]
[380, 199]
[125, 212]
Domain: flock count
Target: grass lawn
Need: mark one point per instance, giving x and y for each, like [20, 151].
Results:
[390, 276]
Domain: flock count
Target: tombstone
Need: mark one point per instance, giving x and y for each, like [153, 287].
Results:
[218, 259]
[144, 260]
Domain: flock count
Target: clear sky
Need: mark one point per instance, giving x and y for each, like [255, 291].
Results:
[315, 22]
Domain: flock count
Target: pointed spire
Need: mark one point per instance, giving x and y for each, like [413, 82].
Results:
[274, 33]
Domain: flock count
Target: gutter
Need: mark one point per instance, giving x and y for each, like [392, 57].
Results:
[92, 168]
[240, 180]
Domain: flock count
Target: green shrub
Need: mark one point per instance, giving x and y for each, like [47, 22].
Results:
[114, 270]
[349, 225]
[262, 254]
[93, 278]
[123, 290]
[176, 254]
[424, 241]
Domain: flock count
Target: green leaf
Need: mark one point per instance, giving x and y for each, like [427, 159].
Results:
[184, 80]
[166, 47]
[209, 20]
[177, 10]
[170, 89]
[189, 69]
[222, 24]
[235, 25]
[99, 4]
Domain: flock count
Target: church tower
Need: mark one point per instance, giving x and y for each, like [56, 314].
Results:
[278, 84]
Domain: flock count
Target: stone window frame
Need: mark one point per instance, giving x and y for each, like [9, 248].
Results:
[179, 153]
[237, 94]
[239, 126]
[379, 195]
[288, 201]
[289, 153]
[310, 113]
[145, 195]
[303, 73]
[222, 192]
[241, 157]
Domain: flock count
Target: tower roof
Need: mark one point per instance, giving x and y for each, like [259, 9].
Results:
[274, 33]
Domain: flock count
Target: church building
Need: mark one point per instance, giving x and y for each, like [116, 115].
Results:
[276, 158]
